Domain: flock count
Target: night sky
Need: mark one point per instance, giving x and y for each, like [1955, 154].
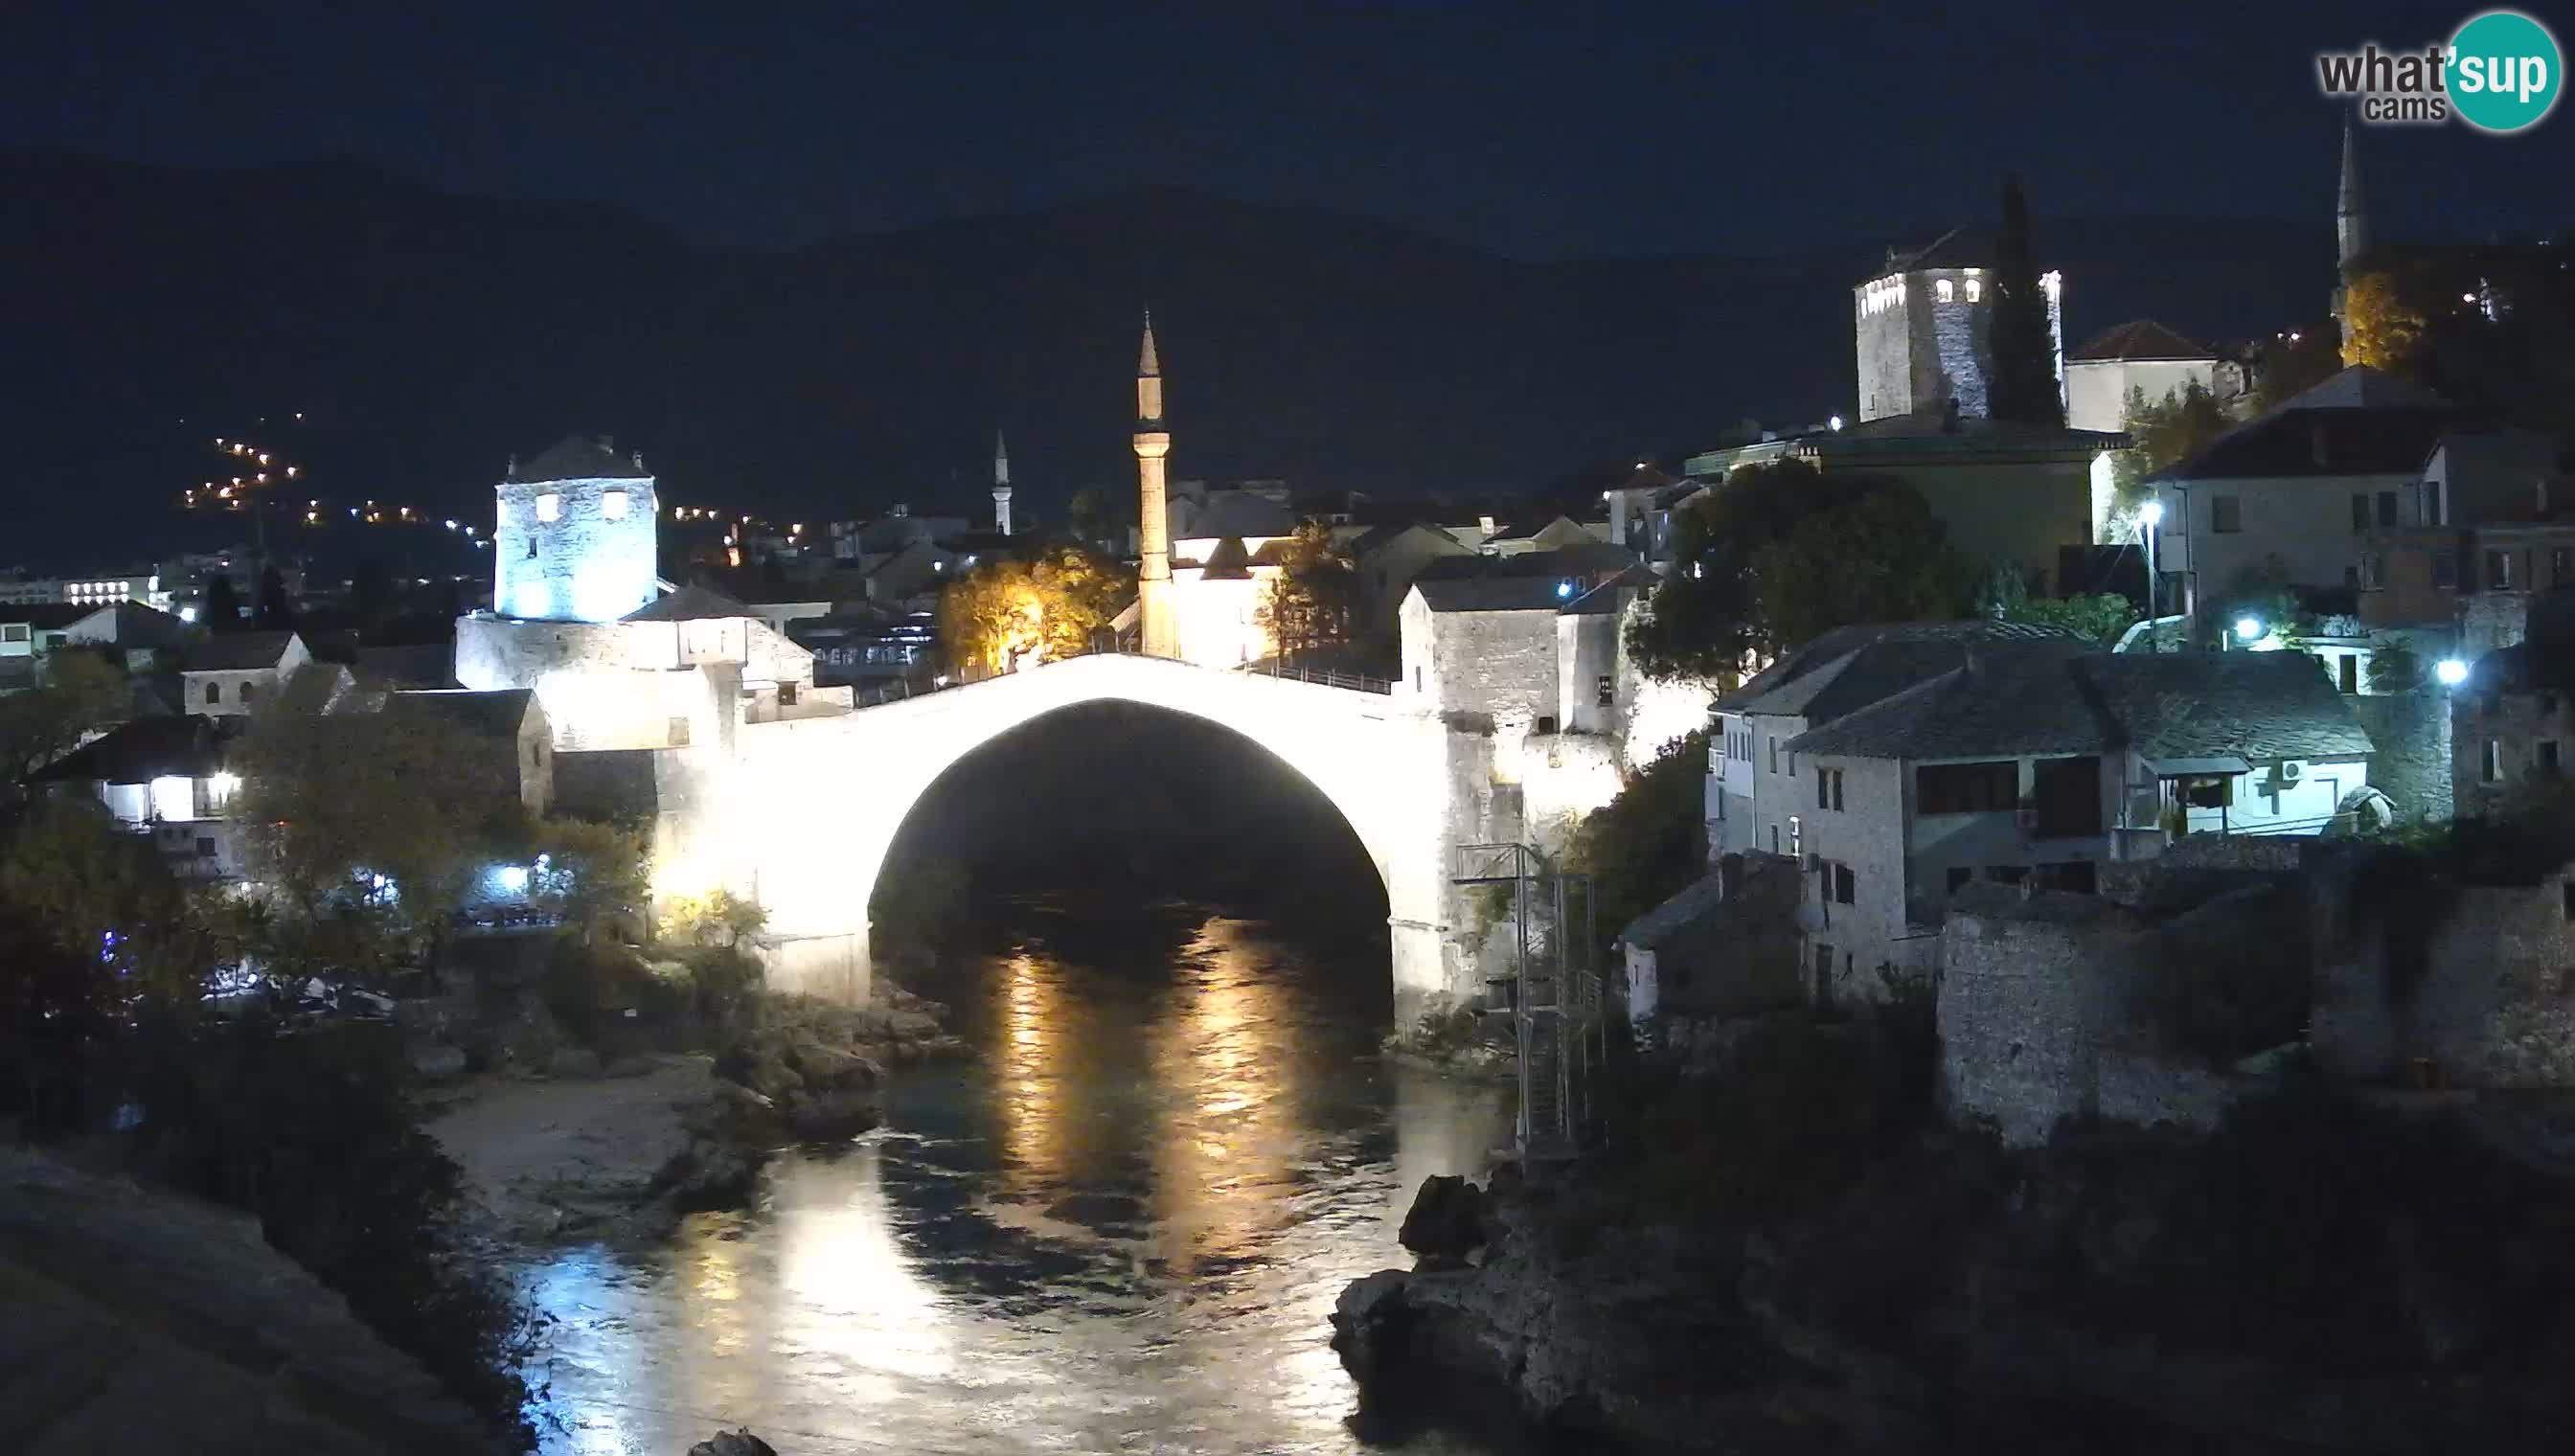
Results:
[1679, 128]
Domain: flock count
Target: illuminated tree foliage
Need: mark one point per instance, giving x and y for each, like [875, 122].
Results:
[330, 801]
[1311, 606]
[1043, 608]
[2166, 432]
[1780, 552]
[2380, 327]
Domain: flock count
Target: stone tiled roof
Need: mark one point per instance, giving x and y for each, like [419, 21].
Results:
[1491, 594]
[1240, 512]
[1606, 597]
[238, 652]
[144, 750]
[2139, 339]
[1378, 536]
[1831, 646]
[689, 604]
[583, 457]
[2259, 706]
[498, 711]
[2360, 422]
[1227, 561]
[1586, 559]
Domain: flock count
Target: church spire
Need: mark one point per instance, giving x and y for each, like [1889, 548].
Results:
[2351, 212]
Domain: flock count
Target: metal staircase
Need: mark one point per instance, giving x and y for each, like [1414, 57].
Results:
[1548, 987]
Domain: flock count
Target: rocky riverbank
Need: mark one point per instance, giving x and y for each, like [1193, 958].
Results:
[622, 1149]
[2321, 1276]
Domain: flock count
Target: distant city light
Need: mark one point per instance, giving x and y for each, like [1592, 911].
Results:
[2451, 671]
[1836, 422]
[187, 613]
[2248, 628]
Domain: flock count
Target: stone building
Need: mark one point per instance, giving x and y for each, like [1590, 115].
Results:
[574, 533]
[2038, 767]
[234, 672]
[506, 726]
[1726, 946]
[1921, 325]
[2139, 356]
[2512, 725]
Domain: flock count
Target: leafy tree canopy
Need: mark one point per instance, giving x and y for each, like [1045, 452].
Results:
[81, 693]
[1048, 604]
[1311, 606]
[2381, 327]
[2166, 432]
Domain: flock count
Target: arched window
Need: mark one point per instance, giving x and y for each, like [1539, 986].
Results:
[1975, 290]
[1947, 290]
[214, 693]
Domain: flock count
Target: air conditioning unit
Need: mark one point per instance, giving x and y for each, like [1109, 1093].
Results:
[2290, 771]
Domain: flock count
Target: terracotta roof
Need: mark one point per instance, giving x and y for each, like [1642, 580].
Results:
[2139, 338]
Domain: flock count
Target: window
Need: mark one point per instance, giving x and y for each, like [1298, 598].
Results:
[786, 695]
[2498, 570]
[2561, 564]
[2445, 569]
[1797, 837]
[1605, 691]
[249, 690]
[1823, 790]
[550, 507]
[2359, 510]
[2545, 758]
[13, 632]
[2387, 508]
[1845, 885]
[532, 547]
[1950, 789]
[1774, 839]
[2214, 791]
[2431, 502]
[2490, 762]
[214, 693]
[2225, 513]
[612, 505]
[1945, 288]
[1975, 290]
[205, 848]
[1837, 788]
[679, 733]
[1545, 726]
[1775, 755]
[2349, 666]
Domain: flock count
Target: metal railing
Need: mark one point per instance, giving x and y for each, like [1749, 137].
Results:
[902, 688]
[1320, 677]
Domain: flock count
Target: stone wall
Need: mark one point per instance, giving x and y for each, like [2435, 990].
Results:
[2029, 997]
[2511, 725]
[2474, 984]
[2413, 763]
[583, 565]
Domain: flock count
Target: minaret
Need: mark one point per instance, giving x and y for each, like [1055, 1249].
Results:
[1158, 631]
[2351, 221]
[1001, 484]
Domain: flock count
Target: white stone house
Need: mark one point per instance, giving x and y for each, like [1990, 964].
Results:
[2303, 486]
[2033, 766]
[1387, 559]
[164, 779]
[1485, 647]
[2140, 356]
[1753, 803]
[231, 674]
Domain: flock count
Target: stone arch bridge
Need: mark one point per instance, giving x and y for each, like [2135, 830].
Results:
[807, 808]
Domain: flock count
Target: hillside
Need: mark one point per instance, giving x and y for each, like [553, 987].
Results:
[429, 336]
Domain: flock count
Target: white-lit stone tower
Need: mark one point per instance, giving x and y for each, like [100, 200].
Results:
[1158, 631]
[576, 535]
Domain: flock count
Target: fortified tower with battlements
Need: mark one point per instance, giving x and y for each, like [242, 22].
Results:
[575, 534]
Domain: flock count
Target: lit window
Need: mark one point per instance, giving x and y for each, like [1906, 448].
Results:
[1975, 290]
[612, 505]
[1947, 290]
[550, 507]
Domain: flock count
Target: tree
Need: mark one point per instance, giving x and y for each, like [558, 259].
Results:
[2381, 327]
[2099, 616]
[2165, 433]
[1649, 840]
[2019, 338]
[713, 918]
[1883, 558]
[1312, 604]
[369, 825]
[1043, 608]
[274, 613]
[221, 609]
[587, 869]
[80, 694]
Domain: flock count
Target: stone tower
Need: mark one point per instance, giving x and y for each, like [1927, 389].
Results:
[2351, 221]
[1158, 631]
[576, 535]
[1001, 484]
[1920, 329]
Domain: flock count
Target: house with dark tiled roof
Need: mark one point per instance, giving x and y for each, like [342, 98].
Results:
[2035, 768]
[2301, 487]
[1750, 804]
[235, 672]
[164, 779]
[1388, 559]
[504, 726]
[2141, 356]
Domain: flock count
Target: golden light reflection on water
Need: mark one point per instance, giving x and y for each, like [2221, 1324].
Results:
[1226, 1150]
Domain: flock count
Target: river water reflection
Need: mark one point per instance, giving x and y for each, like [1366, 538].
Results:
[1120, 1229]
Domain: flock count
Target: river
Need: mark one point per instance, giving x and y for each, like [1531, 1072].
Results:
[1121, 1227]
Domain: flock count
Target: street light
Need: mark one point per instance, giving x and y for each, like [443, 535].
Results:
[2451, 671]
[2248, 629]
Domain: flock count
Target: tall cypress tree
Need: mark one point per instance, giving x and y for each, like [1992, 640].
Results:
[221, 609]
[2023, 350]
